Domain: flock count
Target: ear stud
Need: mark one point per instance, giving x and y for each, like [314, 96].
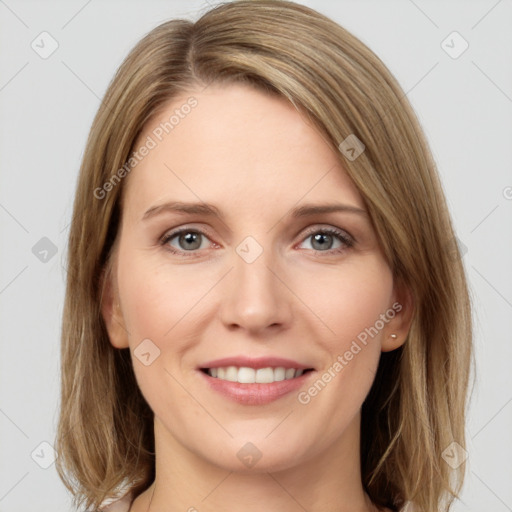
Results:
[394, 336]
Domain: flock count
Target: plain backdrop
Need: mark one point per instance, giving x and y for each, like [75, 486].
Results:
[47, 106]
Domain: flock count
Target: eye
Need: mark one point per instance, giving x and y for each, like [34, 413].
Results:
[186, 240]
[328, 239]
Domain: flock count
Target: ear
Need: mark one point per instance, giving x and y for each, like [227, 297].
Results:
[111, 312]
[396, 330]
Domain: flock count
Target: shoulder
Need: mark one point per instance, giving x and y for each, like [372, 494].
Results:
[118, 505]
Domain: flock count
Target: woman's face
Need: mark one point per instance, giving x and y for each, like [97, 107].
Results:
[246, 254]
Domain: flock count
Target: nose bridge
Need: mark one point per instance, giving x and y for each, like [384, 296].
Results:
[256, 297]
[254, 279]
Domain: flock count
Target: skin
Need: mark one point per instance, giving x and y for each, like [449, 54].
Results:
[255, 158]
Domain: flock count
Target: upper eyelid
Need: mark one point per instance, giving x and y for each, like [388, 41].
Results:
[325, 227]
[177, 231]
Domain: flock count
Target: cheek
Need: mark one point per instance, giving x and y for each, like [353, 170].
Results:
[161, 306]
[351, 305]
[159, 303]
[348, 299]
[352, 301]
[147, 302]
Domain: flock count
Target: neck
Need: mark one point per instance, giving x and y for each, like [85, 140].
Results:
[186, 482]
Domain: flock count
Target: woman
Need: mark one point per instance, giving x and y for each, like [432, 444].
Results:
[263, 308]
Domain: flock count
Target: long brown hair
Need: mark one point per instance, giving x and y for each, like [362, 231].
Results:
[417, 405]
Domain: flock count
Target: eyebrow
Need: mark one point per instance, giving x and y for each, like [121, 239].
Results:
[212, 211]
[311, 209]
[179, 207]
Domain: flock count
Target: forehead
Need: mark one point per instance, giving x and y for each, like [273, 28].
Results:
[236, 146]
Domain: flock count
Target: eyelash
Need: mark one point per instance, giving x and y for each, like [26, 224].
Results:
[347, 241]
[342, 236]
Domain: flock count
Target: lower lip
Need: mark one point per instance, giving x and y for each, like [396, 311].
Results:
[255, 394]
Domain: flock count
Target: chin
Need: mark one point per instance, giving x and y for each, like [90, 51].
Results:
[241, 455]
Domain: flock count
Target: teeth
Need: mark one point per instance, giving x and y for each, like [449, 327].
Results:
[231, 374]
[246, 375]
[279, 373]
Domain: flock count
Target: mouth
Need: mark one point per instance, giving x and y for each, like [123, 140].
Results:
[254, 381]
[248, 375]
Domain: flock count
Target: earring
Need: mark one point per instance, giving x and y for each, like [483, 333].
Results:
[394, 336]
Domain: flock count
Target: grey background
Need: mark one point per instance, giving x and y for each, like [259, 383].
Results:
[47, 105]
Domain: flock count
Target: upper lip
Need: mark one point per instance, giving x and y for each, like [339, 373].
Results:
[255, 362]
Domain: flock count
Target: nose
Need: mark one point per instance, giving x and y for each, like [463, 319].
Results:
[255, 299]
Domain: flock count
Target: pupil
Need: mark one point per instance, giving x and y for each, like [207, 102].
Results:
[322, 241]
[190, 241]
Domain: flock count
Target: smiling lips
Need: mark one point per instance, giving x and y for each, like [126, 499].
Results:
[254, 381]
